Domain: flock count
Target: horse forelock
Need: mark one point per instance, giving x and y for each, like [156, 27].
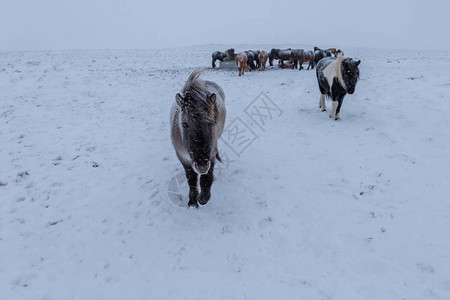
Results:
[196, 105]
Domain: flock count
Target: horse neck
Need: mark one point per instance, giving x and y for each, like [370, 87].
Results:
[334, 69]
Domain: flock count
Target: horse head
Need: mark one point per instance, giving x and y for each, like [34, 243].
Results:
[350, 74]
[198, 112]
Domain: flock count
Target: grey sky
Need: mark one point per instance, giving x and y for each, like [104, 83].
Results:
[140, 24]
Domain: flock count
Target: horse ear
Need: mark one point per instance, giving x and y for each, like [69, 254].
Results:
[180, 100]
[212, 98]
[358, 62]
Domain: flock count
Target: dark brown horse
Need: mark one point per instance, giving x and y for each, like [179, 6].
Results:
[197, 119]
[279, 54]
[286, 64]
[222, 56]
[301, 56]
[319, 54]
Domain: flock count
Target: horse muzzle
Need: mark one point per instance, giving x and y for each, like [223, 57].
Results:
[203, 168]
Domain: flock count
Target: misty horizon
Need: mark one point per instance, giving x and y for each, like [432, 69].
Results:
[137, 24]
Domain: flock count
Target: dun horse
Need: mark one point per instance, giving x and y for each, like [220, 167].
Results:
[197, 119]
[263, 57]
[336, 77]
[241, 62]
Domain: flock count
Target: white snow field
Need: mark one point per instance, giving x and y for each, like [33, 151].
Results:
[304, 207]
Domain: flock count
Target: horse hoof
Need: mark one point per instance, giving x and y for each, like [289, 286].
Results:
[202, 201]
[204, 198]
[192, 204]
[324, 109]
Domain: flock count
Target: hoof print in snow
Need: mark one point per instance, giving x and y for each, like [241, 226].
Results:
[23, 174]
[55, 222]
[95, 165]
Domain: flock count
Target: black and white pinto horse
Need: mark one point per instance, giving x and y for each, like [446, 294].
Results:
[336, 77]
[197, 119]
[279, 54]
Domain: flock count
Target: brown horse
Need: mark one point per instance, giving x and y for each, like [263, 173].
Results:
[197, 119]
[286, 64]
[301, 56]
[263, 57]
[241, 62]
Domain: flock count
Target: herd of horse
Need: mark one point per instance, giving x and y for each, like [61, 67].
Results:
[197, 117]
[287, 58]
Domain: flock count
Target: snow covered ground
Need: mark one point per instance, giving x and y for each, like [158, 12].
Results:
[304, 207]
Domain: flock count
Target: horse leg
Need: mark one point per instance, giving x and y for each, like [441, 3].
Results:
[205, 185]
[338, 109]
[192, 178]
[333, 109]
[213, 63]
[322, 102]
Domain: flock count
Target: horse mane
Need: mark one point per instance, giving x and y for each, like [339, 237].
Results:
[196, 93]
[334, 69]
[193, 84]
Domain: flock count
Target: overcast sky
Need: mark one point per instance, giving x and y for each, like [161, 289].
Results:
[146, 24]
